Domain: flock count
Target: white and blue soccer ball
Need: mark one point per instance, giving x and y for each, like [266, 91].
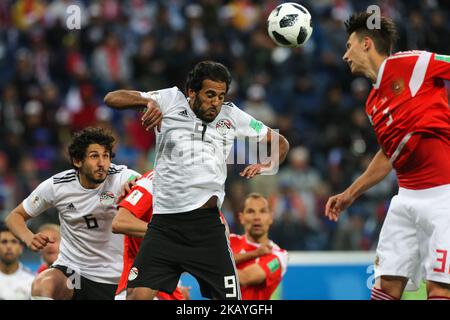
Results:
[289, 25]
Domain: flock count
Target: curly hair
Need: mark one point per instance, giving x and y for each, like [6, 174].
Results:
[384, 37]
[207, 70]
[84, 138]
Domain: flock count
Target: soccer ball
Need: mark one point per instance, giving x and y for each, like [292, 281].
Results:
[289, 25]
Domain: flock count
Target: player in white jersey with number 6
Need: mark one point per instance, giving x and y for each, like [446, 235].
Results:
[196, 137]
[89, 264]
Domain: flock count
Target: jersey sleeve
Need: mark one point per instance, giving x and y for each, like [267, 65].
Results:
[272, 268]
[41, 199]
[439, 66]
[165, 98]
[127, 175]
[138, 201]
[247, 126]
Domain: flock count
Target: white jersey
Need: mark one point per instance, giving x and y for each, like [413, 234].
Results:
[16, 286]
[191, 156]
[88, 245]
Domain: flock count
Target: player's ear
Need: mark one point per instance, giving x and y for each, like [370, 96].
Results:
[367, 43]
[77, 163]
[191, 94]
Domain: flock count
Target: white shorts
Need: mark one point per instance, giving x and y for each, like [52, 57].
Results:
[415, 238]
[121, 296]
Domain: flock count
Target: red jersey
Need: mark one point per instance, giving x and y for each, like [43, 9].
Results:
[42, 268]
[274, 266]
[139, 203]
[407, 102]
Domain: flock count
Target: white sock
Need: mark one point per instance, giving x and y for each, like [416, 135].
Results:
[41, 298]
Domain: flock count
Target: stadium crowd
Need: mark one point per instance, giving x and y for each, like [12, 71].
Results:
[53, 80]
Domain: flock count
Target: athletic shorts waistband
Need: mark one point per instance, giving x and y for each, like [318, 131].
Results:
[425, 193]
[190, 215]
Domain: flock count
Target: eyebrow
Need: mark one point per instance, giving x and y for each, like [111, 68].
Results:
[215, 92]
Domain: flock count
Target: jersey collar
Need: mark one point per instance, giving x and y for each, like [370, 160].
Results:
[376, 85]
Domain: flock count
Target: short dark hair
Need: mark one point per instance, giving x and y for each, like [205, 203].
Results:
[207, 70]
[384, 37]
[82, 139]
[254, 195]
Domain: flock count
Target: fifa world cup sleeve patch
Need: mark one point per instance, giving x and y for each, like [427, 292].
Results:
[256, 125]
[273, 265]
[442, 57]
[134, 197]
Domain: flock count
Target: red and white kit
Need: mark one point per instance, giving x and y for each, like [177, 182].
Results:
[273, 264]
[139, 203]
[408, 108]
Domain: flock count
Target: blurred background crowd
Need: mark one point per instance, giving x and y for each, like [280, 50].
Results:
[53, 80]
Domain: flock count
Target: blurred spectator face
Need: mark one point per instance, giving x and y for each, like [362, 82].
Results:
[299, 158]
[112, 41]
[51, 250]
[256, 93]
[256, 217]
[10, 248]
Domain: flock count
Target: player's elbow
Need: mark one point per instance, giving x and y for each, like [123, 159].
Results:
[117, 226]
[284, 147]
[111, 98]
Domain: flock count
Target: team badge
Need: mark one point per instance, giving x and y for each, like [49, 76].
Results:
[133, 274]
[107, 198]
[398, 86]
[223, 126]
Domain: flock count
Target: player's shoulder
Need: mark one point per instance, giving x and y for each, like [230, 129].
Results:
[63, 177]
[116, 169]
[276, 248]
[228, 105]
[173, 94]
[146, 181]
[236, 239]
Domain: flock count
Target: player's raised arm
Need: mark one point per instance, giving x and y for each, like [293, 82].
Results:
[377, 170]
[275, 159]
[125, 99]
[129, 99]
[16, 223]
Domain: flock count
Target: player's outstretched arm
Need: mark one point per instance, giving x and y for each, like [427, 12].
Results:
[16, 223]
[377, 170]
[129, 99]
[126, 223]
[275, 160]
[125, 99]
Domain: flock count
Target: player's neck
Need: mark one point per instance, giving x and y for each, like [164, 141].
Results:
[9, 268]
[374, 67]
[260, 240]
[86, 183]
